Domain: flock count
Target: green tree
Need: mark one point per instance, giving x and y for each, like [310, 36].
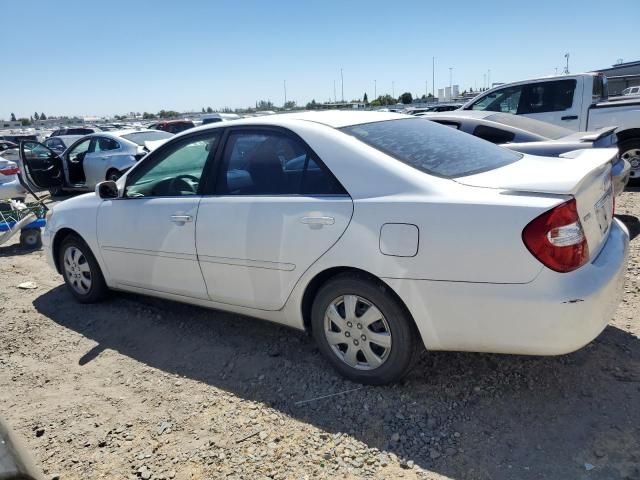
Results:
[264, 105]
[148, 116]
[209, 110]
[43, 116]
[36, 117]
[289, 105]
[312, 105]
[365, 99]
[24, 122]
[406, 98]
[13, 117]
[203, 110]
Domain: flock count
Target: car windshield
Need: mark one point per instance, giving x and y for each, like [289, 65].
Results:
[432, 148]
[141, 137]
[543, 129]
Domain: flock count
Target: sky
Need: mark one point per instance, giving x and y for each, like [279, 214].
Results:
[113, 57]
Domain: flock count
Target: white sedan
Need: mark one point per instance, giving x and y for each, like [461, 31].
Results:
[88, 161]
[376, 232]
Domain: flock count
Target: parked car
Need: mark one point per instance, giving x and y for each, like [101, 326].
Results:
[578, 102]
[74, 131]
[631, 91]
[60, 143]
[89, 160]
[173, 126]
[440, 107]
[218, 117]
[393, 232]
[10, 186]
[15, 461]
[7, 145]
[531, 136]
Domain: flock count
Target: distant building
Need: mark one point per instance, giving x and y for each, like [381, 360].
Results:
[621, 76]
[10, 124]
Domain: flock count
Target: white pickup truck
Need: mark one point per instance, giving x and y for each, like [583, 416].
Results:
[578, 102]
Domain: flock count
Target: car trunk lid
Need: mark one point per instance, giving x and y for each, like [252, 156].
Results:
[584, 175]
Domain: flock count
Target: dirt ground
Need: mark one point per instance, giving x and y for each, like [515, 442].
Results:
[143, 388]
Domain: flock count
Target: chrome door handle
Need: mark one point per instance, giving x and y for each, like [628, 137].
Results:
[181, 218]
[318, 220]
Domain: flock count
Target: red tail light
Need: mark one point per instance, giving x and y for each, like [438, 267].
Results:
[556, 238]
[10, 171]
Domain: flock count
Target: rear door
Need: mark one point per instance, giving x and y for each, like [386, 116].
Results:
[273, 211]
[555, 101]
[42, 168]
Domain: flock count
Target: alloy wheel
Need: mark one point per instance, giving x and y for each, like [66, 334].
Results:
[633, 157]
[77, 270]
[357, 332]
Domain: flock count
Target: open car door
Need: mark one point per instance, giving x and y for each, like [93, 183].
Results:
[42, 168]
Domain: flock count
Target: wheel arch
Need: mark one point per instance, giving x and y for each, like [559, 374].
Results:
[629, 134]
[57, 243]
[321, 278]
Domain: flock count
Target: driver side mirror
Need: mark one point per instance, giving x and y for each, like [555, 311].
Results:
[107, 190]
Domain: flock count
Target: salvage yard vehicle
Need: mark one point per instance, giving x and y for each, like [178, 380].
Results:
[578, 102]
[391, 233]
[88, 161]
[10, 186]
[60, 143]
[173, 126]
[527, 135]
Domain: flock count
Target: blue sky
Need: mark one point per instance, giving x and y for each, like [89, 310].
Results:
[96, 58]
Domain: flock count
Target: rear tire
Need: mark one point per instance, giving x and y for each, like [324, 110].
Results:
[81, 271]
[113, 175]
[363, 330]
[630, 151]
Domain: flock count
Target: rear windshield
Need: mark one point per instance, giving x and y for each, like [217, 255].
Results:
[543, 129]
[141, 137]
[433, 148]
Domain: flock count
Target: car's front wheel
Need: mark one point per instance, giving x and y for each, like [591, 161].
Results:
[364, 332]
[81, 271]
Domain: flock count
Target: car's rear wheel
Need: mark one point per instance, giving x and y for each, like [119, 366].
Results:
[630, 151]
[365, 333]
[113, 175]
[81, 271]
[31, 238]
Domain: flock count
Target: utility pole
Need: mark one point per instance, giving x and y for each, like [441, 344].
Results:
[450, 79]
[489, 78]
[375, 89]
[285, 93]
[342, 80]
[433, 76]
[484, 80]
[393, 88]
[566, 68]
[335, 100]
[426, 90]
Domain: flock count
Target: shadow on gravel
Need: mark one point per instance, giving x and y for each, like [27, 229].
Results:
[632, 223]
[461, 415]
[14, 250]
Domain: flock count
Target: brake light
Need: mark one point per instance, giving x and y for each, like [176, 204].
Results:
[556, 238]
[10, 171]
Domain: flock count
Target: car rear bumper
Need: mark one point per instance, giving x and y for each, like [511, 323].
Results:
[12, 189]
[554, 314]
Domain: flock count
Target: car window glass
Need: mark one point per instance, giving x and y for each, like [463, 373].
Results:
[502, 100]
[105, 144]
[176, 172]
[543, 97]
[79, 151]
[272, 164]
[493, 135]
[432, 148]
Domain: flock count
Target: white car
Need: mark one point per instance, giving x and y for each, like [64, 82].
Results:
[89, 160]
[378, 232]
[10, 186]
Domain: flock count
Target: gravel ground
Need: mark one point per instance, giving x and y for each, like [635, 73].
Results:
[143, 388]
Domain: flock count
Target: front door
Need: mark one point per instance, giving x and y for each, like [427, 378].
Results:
[42, 168]
[274, 211]
[147, 237]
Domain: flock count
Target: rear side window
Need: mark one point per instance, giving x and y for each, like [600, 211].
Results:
[104, 144]
[541, 97]
[493, 135]
[432, 148]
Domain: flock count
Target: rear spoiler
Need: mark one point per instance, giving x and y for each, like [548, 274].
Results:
[598, 134]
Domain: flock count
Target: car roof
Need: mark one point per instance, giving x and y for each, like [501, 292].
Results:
[330, 118]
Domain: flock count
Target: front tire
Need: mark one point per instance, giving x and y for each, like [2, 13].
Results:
[81, 271]
[364, 332]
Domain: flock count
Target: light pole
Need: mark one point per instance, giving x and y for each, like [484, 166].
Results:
[375, 89]
[450, 78]
[433, 76]
[393, 88]
[335, 100]
[285, 94]
[342, 88]
[566, 68]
